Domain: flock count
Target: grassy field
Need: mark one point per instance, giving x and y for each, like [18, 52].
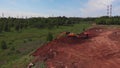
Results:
[21, 44]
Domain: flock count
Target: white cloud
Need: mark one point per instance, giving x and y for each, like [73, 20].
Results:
[95, 7]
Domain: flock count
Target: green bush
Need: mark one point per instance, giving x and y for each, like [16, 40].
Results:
[10, 43]
[29, 39]
[3, 45]
[24, 41]
[12, 48]
[42, 65]
[49, 37]
[17, 51]
[84, 29]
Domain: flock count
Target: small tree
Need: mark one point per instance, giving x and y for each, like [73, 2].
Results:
[3, 45]
[49, 37]
[6, 27]
[17, 27]
[84, 29]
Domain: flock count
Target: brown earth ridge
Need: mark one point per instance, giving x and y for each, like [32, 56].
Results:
[100, 50]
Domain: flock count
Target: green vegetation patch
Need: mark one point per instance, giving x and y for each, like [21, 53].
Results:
[20, 44]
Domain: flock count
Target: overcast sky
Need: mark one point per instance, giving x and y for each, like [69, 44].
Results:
[69, 8]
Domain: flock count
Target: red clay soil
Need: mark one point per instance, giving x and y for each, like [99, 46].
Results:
[100, 50]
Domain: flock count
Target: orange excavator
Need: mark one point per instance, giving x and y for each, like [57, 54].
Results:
[73, 35]
[62, 34]
[68, 34]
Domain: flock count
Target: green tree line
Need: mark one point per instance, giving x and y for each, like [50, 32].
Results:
[105, 20]
[18, 24]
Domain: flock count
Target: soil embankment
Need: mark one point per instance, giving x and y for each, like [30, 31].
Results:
[100, 50]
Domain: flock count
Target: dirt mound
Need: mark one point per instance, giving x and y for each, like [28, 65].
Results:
[100, 50]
